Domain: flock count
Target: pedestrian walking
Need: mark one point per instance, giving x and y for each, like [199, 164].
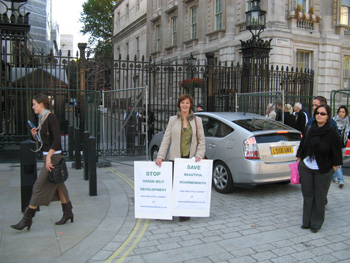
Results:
[288, 115]
[300, 119]
[184, 136]
[200, 107]
[318, 155]
[270, 112]
[44, 192]
[279, 110]
[131, 117]
[343, 125]
[317, 101]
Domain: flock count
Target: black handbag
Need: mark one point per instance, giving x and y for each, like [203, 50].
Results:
[59, 173]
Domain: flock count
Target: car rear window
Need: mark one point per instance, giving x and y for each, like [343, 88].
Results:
[253, 125]
[276, 137]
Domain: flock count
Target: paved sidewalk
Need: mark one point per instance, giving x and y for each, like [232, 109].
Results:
[249, 225]
[97, 219]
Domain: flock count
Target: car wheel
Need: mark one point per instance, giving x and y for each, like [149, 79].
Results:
[222, 178]
[154, 153]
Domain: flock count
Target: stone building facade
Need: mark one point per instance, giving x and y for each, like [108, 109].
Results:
[66, 44]
[312, 34]
[129, 29]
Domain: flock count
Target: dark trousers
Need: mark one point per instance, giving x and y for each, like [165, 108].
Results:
[130, 137]
[314, 187]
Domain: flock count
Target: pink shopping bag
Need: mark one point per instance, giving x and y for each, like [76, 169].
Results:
[294, 173]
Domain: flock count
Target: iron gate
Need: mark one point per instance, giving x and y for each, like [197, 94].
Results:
[124, 123]
[77, 85]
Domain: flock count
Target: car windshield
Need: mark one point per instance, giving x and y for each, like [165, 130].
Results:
[253, 125]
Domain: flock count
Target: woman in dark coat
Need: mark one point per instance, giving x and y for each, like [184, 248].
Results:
[44, 191]
[288, 116]
[318, 155]
[300, 119]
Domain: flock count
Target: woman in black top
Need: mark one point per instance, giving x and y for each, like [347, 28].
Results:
[44, 191]
[300, 119]
[289, 119]
[318, 155]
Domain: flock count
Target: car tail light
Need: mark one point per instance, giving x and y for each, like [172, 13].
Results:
[251, 150]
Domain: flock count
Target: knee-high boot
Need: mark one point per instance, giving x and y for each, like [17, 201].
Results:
[26, 220]
[67, 214]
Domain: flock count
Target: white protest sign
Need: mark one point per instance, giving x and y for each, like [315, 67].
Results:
[153, 190]
[192, 187]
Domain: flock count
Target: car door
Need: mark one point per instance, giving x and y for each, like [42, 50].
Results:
[214, 131]
[209, 126]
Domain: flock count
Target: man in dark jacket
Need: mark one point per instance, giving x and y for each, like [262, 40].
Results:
[317, 101]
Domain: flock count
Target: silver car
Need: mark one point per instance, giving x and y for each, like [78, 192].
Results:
[247, 149]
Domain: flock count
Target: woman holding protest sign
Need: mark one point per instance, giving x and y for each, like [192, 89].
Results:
[184, 135]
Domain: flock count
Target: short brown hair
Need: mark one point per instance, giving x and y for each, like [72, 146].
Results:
[41, 98]
[183, 97]
[321, 99]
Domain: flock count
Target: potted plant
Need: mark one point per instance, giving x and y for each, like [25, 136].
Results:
[190, 84]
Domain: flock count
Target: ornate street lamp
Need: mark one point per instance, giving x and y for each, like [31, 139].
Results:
[255, 51]
[255, 19]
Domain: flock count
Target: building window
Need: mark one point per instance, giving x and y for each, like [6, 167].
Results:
[194, 22]
[138, 48]
[137, 5]
[304, 5]
[159, 4]
[173, 32]
[303, 60]
[127, 48]
[346, 72]
[158, 38]
[127, 11]
[218, 14]
[118, 18]
[345, 12]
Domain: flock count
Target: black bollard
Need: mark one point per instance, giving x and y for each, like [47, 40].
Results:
[28, 172]
[86, 155]
[70, 142]
[77, 147]
[92, 167]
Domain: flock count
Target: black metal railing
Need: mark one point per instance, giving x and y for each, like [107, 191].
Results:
[75, 85]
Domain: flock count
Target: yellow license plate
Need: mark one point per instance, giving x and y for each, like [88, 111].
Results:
[281, 150]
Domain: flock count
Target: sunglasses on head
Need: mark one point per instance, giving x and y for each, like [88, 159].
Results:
[321, 113]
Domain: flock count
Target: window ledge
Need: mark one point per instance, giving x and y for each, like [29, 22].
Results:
[171, 49]
[217, 34]
[171, 8]
[190, 40]
[156, 16]
[342, 29]
[155, 54]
